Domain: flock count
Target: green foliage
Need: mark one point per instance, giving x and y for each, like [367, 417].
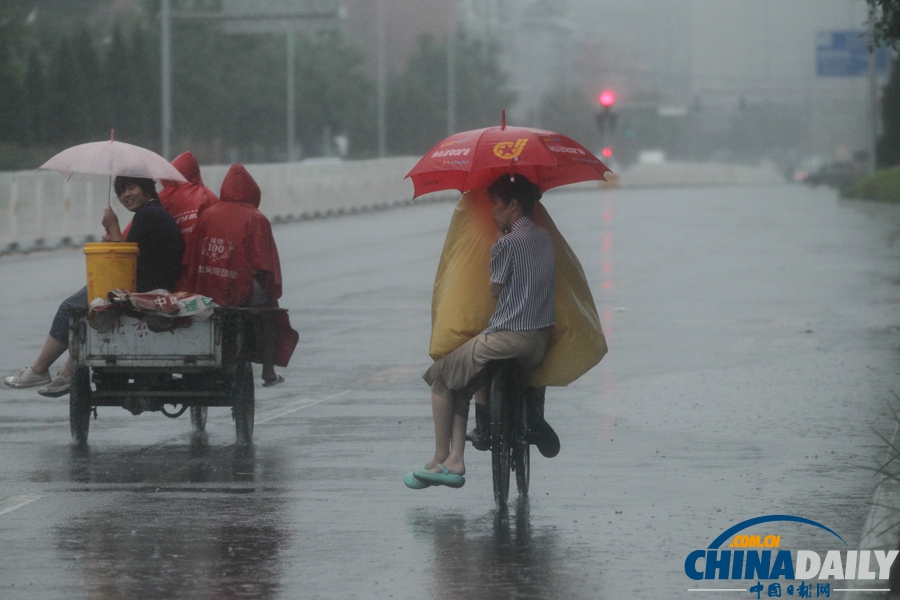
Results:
[885, 16]
[883, 185]
[887, 149]
[13, 35]
[571, 112]
[35, 94]
[886, 19]
[14, 157]
[335, 94]
[417, 107]
[74, 84]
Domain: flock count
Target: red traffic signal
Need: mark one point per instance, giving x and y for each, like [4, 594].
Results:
[607, 98]
[607, 152]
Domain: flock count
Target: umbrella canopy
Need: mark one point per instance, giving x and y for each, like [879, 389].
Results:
[112, 158]
[473, 159]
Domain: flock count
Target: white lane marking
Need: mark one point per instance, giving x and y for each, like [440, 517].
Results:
[305, 403]
[11, 504]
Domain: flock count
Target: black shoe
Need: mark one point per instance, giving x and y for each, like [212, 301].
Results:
[480, 438]
[478, 442]
[542, 435]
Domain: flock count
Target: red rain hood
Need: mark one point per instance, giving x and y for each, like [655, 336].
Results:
[188, 166]
[239, 186]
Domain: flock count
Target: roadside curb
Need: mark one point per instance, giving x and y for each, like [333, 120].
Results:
[881, 531]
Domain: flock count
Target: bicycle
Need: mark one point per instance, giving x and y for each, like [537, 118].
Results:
[511, 403]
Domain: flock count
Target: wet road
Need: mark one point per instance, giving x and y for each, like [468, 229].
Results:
[754, 340]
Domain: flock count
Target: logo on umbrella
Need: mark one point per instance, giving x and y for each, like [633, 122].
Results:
[510, 150]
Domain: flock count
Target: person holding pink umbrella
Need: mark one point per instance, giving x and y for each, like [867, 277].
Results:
[158, 265]
[185, 201]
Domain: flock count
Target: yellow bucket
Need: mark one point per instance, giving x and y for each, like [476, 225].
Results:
[110, 266]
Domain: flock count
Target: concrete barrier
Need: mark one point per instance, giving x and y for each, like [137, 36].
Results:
[40, 209]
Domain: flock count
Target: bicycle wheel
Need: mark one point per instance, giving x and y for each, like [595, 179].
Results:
[80, 405]
[500, 439]
[198, 417]
[521, 450]
[244, 405]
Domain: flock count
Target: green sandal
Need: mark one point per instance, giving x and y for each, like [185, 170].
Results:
[445, 477]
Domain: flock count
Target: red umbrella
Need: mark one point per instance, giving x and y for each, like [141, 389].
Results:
[473, 159]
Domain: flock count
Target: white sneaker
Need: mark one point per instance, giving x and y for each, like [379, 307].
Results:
[58, 386]
[27, 378]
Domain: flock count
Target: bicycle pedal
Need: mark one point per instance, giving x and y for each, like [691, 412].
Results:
[477, 442]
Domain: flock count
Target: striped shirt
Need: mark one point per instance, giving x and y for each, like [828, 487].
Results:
[523, 262]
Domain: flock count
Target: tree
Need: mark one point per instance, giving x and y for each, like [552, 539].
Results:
[571, 111]
[13, 32]
[61, 94]
[417, 108]
[885, 15]
[334, 96]
[887, 149]
[88, 103]
[145, 82]
[119, 88]
[35, 91]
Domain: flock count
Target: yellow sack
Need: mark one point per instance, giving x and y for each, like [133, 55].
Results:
[461, 304]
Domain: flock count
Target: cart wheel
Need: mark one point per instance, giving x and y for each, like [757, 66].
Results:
[243, 403]
[500, 442]
[521, 451]
[198, 418]
[80, 405]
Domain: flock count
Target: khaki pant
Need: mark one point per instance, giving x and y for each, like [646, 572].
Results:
[462, 372]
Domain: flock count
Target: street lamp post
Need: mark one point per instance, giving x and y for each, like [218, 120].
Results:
[291, 93]
[166, 87]
[451, 72]
[380, 42]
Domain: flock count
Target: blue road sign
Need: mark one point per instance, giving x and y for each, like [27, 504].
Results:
[846, 54]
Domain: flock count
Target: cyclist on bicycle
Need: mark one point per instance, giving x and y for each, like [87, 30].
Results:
[523, 274]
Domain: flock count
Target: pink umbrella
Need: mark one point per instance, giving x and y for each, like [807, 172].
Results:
[112, 158]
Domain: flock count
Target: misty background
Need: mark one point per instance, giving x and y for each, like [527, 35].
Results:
[723, 80]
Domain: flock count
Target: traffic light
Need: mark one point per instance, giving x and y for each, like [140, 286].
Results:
[606, 118]
[607, 98]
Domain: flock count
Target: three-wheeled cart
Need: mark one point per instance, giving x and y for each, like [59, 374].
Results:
[195, 367]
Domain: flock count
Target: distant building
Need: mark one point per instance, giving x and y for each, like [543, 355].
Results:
[723, 55]
[713, 56]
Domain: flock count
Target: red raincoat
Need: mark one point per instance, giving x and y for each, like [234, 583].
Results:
[185, 200]
[232, 242]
